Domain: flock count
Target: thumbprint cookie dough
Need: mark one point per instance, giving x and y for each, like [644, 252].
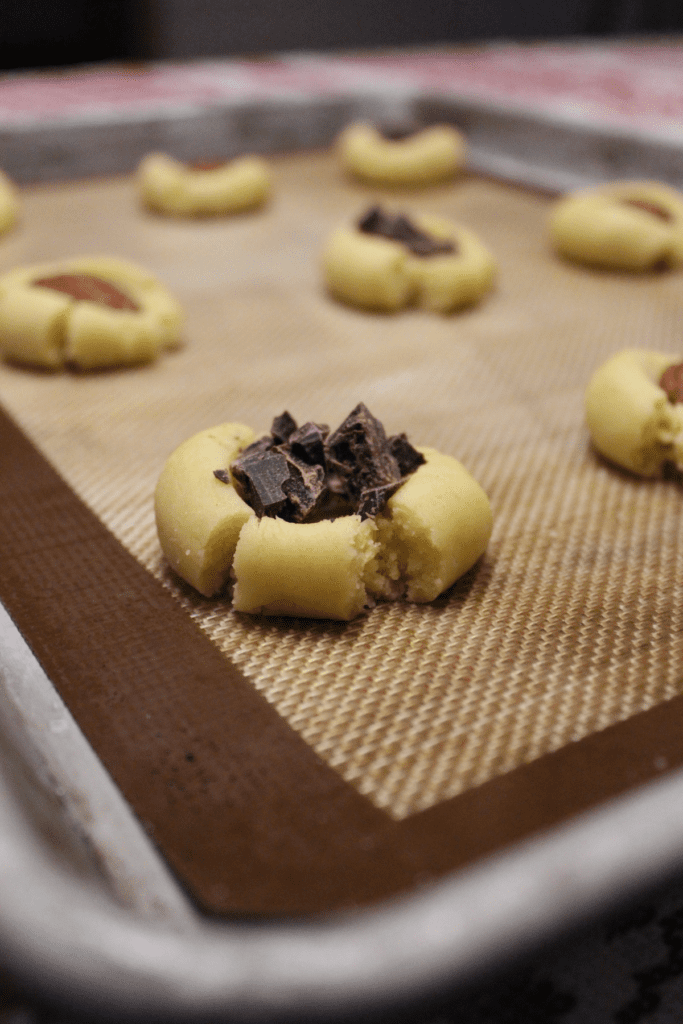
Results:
[386, 262]
[9, 204]
[317, 524]
[203, 190]
[628, 225]
[634, 410]
[88, 313]
[423, 158]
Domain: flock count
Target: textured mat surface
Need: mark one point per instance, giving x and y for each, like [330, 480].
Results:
[573, 619]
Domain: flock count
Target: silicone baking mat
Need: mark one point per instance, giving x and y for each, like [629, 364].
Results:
[297, 766]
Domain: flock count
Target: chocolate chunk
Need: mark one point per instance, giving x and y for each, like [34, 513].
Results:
[304, 489]
[372, 222]
[302, 475]
[308, 443]
[264, 444]
[407, 457]
[399, 229]
[259, 480]
[89, 287]
[358, 452]
[671, 381]
[373, 499]
[422, 244]
[282, 427]
[652, 208]
[396, 132]
[331, 506]
[223, 475]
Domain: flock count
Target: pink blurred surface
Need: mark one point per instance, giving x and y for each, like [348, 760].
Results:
[629, 84]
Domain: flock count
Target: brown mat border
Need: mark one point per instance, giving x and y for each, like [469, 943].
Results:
[248, 817]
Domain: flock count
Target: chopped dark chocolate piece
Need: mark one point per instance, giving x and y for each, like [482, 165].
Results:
[308, 443]
[373, 499]
[307, 476]
[407, 457]
[331, 506]
[425, 245]
[282, 427]
[264, 444]
[223, 475]
[258, 480]
[399, 229]
[397, 132]
[671, 381]
[358, 452]
[377, 222]
[304, 489]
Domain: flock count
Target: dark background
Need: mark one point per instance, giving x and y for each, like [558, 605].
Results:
[49, 33]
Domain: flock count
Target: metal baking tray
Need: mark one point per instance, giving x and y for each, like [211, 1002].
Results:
[92, 918]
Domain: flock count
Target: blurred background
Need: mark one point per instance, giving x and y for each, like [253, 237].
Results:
[42, 33]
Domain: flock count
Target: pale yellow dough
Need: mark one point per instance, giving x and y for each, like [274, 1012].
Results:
[376, 273]
[198, 517]
[316, 570]
[169, 186]
[46, 328]
[433, 529]
[9, 204]
[599, 227]
[630, 418]
[425, 158]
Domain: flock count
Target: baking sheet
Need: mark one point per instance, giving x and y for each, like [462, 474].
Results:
[569, 625]
[490, 732]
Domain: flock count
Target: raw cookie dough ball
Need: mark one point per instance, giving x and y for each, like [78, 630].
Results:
[429, 156]
[9, 204]
[632, 418]
[413, 544]
[628, 225]
[89, 312]
[169, 186]
[395, 266]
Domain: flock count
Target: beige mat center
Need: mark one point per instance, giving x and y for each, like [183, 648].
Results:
[572, 621]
